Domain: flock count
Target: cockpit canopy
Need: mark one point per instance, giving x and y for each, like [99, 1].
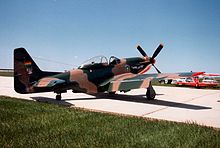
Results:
[99, 62]
[113, 60]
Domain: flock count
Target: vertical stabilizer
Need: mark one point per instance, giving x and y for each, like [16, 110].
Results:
[26, 72]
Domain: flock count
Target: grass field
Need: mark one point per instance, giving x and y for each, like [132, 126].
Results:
[34, 124]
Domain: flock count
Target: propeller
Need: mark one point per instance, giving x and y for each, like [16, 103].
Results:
[157, 51]
[151, 59]
[141, 51]
[156, 68]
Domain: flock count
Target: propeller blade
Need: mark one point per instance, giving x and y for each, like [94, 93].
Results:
[156, 68]
[157, 51]
[141, 51]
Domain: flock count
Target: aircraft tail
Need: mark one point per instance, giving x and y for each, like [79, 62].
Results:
[26, 72]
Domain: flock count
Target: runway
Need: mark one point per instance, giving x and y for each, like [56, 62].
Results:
[179, 104]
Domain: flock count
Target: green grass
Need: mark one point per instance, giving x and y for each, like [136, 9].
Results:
[35, 124]
[7, 74]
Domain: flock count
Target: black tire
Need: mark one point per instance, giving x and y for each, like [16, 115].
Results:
[58, 97]
[150, 94]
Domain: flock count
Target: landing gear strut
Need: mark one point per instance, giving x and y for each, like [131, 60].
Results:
[58, 97]
[59, 92]
[150, 94]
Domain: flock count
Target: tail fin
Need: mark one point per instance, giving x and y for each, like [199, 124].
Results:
[26, 72]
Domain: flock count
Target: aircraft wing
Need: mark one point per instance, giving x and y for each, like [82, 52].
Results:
[125, 82]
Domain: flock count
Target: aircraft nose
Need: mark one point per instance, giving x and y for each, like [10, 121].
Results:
[153, 61]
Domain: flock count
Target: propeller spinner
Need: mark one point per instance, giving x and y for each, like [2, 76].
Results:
[151, 59]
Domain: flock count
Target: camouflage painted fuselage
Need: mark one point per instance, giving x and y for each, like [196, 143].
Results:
[92, 78]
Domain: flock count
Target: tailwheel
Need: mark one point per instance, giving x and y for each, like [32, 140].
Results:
[150, 94]
[58, 97]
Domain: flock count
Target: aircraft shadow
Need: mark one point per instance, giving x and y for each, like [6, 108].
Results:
[127, 98]
[52, 101]
[142, 99]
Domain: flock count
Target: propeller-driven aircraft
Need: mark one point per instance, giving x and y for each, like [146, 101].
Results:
[94, 76]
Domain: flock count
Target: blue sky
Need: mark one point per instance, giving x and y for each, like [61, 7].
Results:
[71, 31]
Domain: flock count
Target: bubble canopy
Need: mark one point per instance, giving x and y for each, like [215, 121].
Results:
[99, 61]
[95, 60]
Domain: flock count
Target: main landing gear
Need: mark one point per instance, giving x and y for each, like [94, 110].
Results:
[59, 92]
[150, 94]
[58, 97]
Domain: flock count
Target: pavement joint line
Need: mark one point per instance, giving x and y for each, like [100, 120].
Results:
[154, 111]
[200, 97]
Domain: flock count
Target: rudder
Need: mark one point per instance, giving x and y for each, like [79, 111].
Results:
[26, 72]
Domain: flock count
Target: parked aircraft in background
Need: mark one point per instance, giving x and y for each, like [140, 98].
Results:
[197, 82]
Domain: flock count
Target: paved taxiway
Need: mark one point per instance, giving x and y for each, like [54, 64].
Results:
[172, 103]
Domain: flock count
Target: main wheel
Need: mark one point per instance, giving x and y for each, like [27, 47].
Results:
[58, 97]
[150, 94]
